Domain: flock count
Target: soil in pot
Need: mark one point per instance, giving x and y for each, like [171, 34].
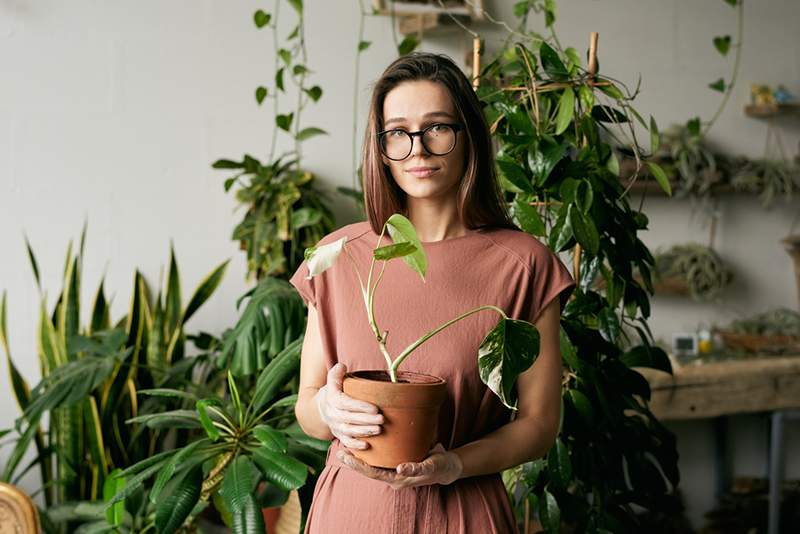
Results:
[410, 409]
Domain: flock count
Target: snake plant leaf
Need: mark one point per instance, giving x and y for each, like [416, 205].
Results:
[271, 438]
[21, 389]
[275, 375]
[324, 256]
[94, 437]
[114, 484]
[402, 231]
[174, 464]
[181, 498]
[508, 349]
[282, 470]
[238, 487]
[396, 250]
[204, 290]
[173, 305]
[100, 311]
[69, 310]
[34, 264]
[566, 110]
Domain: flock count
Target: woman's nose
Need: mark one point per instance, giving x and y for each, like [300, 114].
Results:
[417, 148]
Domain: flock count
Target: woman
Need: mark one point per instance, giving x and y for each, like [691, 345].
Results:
[427, 154]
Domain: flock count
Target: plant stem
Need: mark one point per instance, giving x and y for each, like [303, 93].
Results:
[408, 350]
[277, 63]
[736, 62]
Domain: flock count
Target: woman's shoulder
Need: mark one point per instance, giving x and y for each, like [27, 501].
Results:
[517, 243]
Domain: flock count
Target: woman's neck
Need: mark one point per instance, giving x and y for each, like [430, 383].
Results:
[435, 221]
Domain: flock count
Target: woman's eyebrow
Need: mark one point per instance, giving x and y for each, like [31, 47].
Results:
[427, 115]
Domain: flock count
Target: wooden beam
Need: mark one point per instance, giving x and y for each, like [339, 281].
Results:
[725, 388]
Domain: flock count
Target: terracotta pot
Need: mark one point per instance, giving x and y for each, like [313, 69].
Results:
[410, 409]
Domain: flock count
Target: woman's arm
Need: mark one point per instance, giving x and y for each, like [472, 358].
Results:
[312, 378]
[531, 434]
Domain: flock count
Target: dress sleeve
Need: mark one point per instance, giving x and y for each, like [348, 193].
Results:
[551, 279]
[306, 287]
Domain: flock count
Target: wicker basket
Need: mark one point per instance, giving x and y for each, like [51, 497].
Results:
[760, 343]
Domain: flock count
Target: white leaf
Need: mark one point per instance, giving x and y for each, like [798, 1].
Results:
[324, 256]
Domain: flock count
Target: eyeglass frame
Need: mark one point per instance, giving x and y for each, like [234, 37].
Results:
[455, 126]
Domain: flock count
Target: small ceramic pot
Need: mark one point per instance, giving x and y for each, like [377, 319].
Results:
[410, 409]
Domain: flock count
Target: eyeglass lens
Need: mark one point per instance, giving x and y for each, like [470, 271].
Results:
[438, 140]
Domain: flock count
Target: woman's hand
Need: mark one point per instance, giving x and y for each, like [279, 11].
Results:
[440, 467]
[347, 417]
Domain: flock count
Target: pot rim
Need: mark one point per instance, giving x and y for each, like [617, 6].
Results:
[356, 375]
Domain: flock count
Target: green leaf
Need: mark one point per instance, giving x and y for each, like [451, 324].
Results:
[660, 176]
[208, 425]
[204, 290]
[305, 217]
[584, 230]
[655, 137]
[172, 466]
[396, 250]
[407, 45]
[528, 217]
[647, 356]
[166, 392]
[363, 45]
[113, 484]
[235, 399]
[282, 470]
[559, 465]
[608, 325]
[586, 97]
[549, 514]
[227, 164]
[723, 44]
[508, 349]
[732, 3]
[305, 133]
[550, 12]
[297, 5]
[551, 63]
[261, 19]
[562, 233]
[542, 159]
[515, 175]
[299, 70]
[285, 56]
[279, 79]
[272, 439]
[314, 92]
[401, 231]
[275, 375]
[181, 498]
[238, 487]
[566, 110]
[168, 419]
[582, 405]
[693, 126]
[611, 90]
[261, 94]
[718, 85]
[284, 122]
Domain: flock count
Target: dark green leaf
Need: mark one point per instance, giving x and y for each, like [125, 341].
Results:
[559, 465]
[284, 122]
[305, 217]
[280, 469]
[181, 497]
[718, 85]
[566, 110]
[551, 63]
[543, 158]
[584, 230]
[515, 174]
[693, 126]
[227, 164]
[528, 217]
[174, 465]
[279, 79]
[647, 356]
[608, 325]
[305, 133]
[314, 92]
[722, 44]
[112, 485]
[661, 177]
[549, 513]
[272, 439]
[508, 349]
[409, 43]
[363, 45]
[205, 419]
[261, 94]
[261, 19]
[655, 138]
[204, 291]
[582, 405]
[238, 488]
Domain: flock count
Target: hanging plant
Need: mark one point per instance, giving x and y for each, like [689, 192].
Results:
[697, 267]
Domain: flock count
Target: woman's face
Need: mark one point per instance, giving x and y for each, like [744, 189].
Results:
[413, 106]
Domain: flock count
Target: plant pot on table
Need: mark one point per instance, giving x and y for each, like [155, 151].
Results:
[410, 409]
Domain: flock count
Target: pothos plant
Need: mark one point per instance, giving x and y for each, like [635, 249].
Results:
[283, 211]
[613, 465]
[506, 351]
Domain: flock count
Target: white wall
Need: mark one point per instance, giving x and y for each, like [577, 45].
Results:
[113, 111]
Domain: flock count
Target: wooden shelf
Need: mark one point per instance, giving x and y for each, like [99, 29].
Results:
[766, 111]
[748, 385]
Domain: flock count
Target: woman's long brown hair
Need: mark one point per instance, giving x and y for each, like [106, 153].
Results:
[480, 200]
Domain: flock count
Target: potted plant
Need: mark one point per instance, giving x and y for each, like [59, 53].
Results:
[410, 401]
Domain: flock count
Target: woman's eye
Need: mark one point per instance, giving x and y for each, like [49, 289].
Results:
[437, 128]
[397, 133]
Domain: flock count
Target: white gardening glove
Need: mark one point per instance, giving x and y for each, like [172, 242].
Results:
[346, 417]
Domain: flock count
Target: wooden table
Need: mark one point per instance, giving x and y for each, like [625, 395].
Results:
[716, 390]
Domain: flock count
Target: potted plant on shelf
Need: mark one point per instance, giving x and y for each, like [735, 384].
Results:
[410, 401]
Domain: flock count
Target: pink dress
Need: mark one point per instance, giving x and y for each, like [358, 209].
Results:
[506, 268]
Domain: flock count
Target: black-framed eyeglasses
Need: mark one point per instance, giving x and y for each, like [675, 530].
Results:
[437, 139]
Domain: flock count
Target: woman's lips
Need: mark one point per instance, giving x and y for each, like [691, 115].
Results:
[421, 172]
